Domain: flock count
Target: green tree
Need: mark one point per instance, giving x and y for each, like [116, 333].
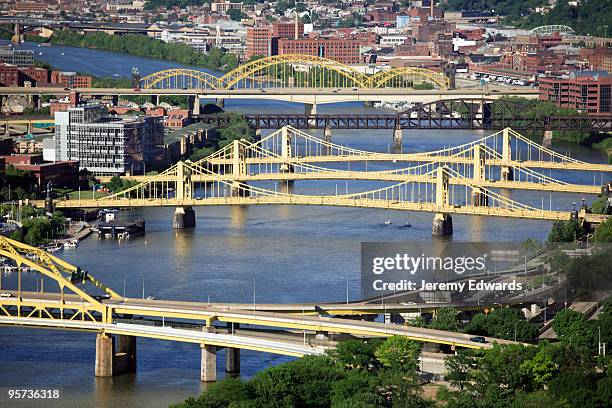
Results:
[459, 367]
[235, 14]
[446, 319]
[503, 323]
[603, 232]
[399, 353]
[356, 355]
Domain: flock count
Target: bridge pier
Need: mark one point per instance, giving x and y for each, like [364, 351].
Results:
[184, 217]
[111, 362]
[238, 191]
[479, 199]
[257, 135]
[548, 137]
[17, 36]
[398, 137]
[232, 355]
[442, 225]
[507, 173]
[208, 364]
[155, 100]
[232, 360]
[327, 134]
[220, 102]
[115, 100]
[310, 109]
[193, 103]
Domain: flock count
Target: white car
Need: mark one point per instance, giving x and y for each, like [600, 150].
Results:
[6, 295]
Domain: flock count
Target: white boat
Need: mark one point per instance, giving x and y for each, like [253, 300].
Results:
[62, 53]
[71, 244]
[388, 222]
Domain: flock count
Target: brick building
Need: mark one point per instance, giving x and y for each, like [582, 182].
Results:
[344, 50]
[586, 91]
[70, 79]
[259, 41]
[9, 75]
[63, 173]
[598, 58]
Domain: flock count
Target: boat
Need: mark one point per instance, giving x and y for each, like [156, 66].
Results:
[40, 53]
[62, 53]
[71, 244]
[388, 222]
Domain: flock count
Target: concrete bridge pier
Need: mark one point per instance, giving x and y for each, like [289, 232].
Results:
[238, 191]
[115, 356]
[155, 100]
[184, 217]
[17, 36]
[257, 135]
[548, 137]
[507, 173]
[193, 103]
[442, 225]
[220, 102]
[327, 134]
[479, 199]
[208, 365]
[232, 355]
[310, 109]
[398, 137]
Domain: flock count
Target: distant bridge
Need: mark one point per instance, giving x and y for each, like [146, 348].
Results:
[464, 113]
[294, 71]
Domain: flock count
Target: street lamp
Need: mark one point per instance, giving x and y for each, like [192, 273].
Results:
[143, 291]
[347, 288]
[49, 184]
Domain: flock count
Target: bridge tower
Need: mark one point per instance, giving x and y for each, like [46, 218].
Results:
[442, 223]
[478, 198]
[286, 153]
[238, 169]
[506, 171]
[184, 216]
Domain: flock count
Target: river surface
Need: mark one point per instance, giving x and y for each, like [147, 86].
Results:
[293, 254]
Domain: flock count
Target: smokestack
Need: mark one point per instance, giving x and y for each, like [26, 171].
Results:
[431, 11]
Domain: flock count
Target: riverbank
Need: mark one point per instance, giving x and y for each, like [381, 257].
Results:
[143, 46]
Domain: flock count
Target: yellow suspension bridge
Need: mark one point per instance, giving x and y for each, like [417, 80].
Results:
[455, 180]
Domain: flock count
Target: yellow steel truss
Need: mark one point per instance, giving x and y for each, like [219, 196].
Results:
[390, 77]
[318, 71]
[206, 80]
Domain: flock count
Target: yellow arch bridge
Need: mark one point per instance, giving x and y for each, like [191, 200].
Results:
[470, 179]
[295, 71]
[70, 298]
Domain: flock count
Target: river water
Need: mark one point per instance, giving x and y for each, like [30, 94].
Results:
[294, 254]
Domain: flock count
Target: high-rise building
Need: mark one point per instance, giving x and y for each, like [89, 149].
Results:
[21, 58]
[102, 144]
[586, 91]
[259, 41]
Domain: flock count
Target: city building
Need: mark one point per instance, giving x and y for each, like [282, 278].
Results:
[70, 79]
[9, 75]
[103, 144]
[63, 173]
[21, 58]
[344, 50]
[586, 91]
[224, 6]
[258, 41]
